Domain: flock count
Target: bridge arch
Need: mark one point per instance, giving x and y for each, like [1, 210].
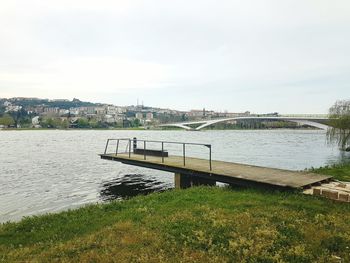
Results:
[205, 123]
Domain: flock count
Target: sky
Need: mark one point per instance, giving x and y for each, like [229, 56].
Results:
[290, 56]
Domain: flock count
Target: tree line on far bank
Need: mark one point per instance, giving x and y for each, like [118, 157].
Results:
[253, 124]
[58, 123]
[7, 120]
[85, 123]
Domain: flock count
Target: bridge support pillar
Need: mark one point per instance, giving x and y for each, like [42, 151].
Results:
[185, 181]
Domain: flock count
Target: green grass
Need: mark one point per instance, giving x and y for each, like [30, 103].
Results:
[204, 224]
[338, 171]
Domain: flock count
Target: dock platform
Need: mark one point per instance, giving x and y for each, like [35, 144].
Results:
[220, 171]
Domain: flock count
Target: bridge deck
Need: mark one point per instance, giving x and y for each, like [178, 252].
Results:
[225, 172]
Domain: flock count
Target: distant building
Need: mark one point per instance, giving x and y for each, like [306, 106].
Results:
[111, 110]
[237, 114]
[119, 117]
[82, 110]
[100, 110]
[149, 116]
[121, 110]
[195, 113]
[74, 111]
[200, 113]
[13, 108]
[63, 112]
[90, 110]
[36, 109]
[139, 115]
[52, 110]
[109, 119]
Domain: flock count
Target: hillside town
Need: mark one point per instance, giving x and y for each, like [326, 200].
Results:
[20, 112]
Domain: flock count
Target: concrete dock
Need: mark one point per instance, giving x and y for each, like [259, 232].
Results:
[197, 171]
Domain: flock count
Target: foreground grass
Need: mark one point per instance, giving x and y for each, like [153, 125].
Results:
[338, 171]
[205, 224]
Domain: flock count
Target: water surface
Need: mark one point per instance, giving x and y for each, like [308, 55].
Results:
[52, 170]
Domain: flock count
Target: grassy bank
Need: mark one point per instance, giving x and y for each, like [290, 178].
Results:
[193, 225]
[338, 171]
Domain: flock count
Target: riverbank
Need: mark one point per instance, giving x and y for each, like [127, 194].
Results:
[340, 172]
[192, 225]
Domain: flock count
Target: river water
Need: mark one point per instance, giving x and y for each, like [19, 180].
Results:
[53, 170]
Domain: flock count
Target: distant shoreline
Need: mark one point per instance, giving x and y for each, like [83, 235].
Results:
[142, 129]
[75, 129]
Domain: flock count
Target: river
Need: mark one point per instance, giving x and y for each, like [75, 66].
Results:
[52, 170]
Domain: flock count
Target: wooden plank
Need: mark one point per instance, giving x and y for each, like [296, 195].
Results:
[244, 172]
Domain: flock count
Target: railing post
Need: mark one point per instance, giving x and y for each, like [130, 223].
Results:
[129, 148]
[184, 153]
[106, 146]
[144, 150]
[116, 150]
[162, 152]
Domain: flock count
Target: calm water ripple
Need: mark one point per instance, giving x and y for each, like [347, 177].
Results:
[49, 171]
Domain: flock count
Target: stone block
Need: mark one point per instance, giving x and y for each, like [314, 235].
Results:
[344, 197]
[341, 185]
[330, 194]
[316, 191]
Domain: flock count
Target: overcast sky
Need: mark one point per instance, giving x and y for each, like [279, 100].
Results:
[263, 56]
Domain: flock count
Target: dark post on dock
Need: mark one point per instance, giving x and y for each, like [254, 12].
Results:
[134, 144]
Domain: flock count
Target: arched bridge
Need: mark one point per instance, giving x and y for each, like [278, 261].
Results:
[314, 122]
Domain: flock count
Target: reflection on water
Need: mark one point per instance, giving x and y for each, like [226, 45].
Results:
[130, 185]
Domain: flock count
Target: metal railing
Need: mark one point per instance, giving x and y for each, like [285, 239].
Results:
[135, 140]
